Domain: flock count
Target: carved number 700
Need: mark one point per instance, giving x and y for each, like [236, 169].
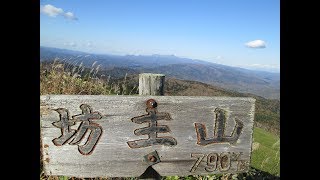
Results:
[214, 160]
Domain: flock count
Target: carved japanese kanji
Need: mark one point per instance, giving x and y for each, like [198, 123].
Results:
[152, 130]
[85, 118]
[219, 136]
[132, 135]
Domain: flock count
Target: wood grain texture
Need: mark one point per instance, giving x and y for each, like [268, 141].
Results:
[151, 84]
[112, 157]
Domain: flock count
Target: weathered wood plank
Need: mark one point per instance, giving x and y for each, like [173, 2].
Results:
[182, 120]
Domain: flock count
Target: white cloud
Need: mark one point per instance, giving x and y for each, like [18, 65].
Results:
[70, 15]
[52, 11]
[89, 44]
[256, 44]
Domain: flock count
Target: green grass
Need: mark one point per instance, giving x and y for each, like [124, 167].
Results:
[266, 156]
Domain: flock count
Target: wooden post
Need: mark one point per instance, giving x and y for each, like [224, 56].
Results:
[151, 84]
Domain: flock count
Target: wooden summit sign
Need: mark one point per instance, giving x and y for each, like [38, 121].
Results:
[121, 136]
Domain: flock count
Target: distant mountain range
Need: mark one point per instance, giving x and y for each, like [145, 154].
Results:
[261, 83]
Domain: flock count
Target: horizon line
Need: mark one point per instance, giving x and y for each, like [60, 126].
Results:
[246, 67]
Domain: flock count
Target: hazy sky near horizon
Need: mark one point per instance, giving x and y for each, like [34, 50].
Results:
[242, 33]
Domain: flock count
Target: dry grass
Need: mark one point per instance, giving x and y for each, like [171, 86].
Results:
[60, 78]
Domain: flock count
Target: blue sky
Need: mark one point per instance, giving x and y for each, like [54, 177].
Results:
[243, 33]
